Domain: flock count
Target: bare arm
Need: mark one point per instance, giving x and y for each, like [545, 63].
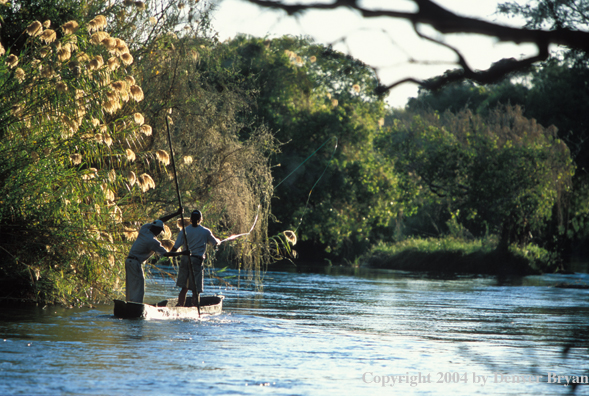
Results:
[171, 215]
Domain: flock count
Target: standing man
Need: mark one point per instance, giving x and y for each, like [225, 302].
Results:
[143, 248]
[197, 237]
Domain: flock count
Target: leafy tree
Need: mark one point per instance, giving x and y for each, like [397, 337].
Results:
[468, 95]
[503, 172]
[553, 95]
[315, 97]
[549, 14]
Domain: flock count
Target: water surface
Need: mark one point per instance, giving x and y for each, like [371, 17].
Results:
[314, 334]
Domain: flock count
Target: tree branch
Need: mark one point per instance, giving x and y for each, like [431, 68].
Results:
[447, 22]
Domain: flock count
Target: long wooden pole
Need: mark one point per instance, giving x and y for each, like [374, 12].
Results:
[190, 271]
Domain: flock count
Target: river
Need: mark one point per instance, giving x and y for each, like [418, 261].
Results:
[328, 332]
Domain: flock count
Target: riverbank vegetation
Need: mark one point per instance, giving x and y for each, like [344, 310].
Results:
[461, 256]
[85, 157]
[283, 133]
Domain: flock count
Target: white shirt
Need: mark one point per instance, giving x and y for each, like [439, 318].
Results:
[146, 244]
[197, 237]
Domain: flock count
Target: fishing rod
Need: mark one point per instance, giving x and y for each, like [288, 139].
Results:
[232, 237]
[190, 270]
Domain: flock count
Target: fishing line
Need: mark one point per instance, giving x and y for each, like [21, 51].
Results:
[232, 237]
[314, 185]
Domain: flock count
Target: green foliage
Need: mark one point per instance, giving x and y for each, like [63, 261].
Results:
[432, 245]
[456, 255]
[310, 94]
[63, 143]
[554, 93]
[504, 172]
[222, 171]
[549, 14]
[17, 15]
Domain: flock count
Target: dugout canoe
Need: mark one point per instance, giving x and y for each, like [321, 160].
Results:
[167, 309]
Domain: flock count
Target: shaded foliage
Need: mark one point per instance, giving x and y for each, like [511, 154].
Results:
[310, 94]
[500, 174]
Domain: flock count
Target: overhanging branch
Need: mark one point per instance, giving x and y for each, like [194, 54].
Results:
[447, 22]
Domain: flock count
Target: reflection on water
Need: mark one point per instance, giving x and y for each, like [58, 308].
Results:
[315, 333]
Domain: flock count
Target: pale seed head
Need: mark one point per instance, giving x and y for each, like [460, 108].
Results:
[130, 155]
[121, 46]
[48, 36]
[146, 182]
[113, 63]
[98, 37]
[168, 244]
[64, 54]
[82, 57]
[124, 95]
[137, 93]
[110, 43]
[34, 29]
[167, 234]
[163, 157]
[138, 117]
[290, 236]
[109, 195]
[19, 74]
[130, 234]
[127, 58]
[98, 23]
[70, 27]
[146, 130]
[132, 178]
[119, 86]
[12, 60]
[186, 221]
[96, 63]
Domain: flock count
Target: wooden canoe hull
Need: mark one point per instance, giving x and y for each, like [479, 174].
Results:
[209, 305]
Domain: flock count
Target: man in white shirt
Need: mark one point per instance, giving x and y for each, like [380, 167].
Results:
[143, 248]
[197, 238]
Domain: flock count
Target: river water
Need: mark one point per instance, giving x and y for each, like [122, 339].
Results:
[315, 334]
